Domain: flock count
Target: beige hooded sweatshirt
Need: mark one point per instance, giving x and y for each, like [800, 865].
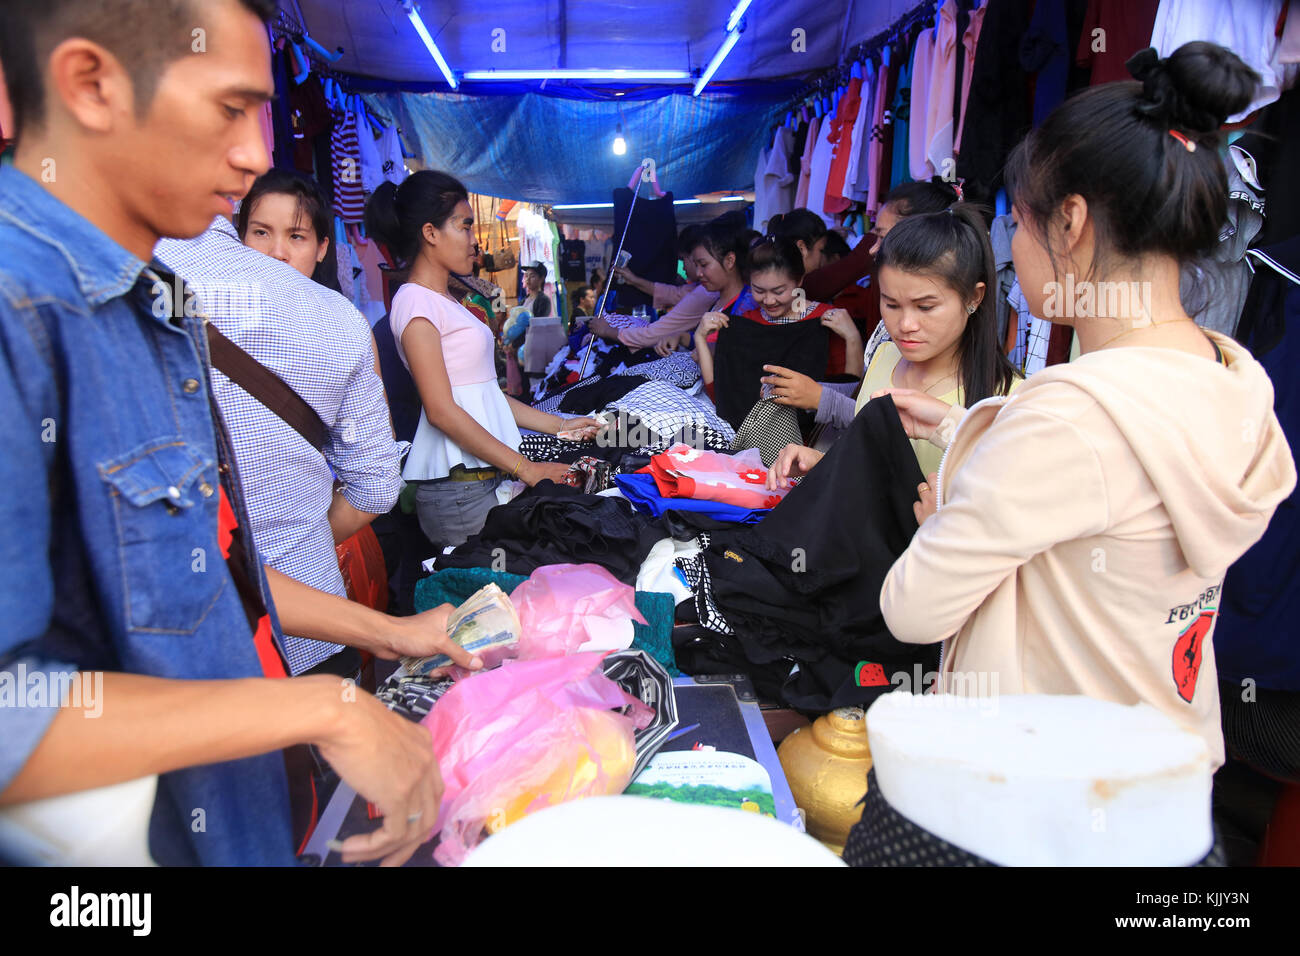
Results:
[1085, 525]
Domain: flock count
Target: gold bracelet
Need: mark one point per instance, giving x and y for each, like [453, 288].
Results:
[518, 465]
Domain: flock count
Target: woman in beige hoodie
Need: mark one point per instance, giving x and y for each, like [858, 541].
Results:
[1084, 525]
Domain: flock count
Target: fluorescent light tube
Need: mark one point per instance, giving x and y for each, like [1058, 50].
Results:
[421, 29]
[737, 13]
[577, 74]
[716, 62]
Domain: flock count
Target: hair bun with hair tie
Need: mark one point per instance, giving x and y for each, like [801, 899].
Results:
[1182, 90]
[1158, 93]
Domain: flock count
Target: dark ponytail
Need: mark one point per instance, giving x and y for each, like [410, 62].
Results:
[954, 247]
[917, 199]
[722, 236]
[1143, 154]
[395, 215]
[775, 254]
[797, 224]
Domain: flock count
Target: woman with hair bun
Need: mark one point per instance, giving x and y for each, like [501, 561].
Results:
[1084, 524]
[467, 441]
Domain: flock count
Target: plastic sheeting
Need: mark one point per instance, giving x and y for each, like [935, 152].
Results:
[549, 150]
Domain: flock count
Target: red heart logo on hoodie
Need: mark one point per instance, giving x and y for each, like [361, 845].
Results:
[1187, 654]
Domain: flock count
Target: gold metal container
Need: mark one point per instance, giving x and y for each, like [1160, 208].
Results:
[826, 766]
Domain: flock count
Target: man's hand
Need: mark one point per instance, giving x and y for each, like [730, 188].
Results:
[423, 635]
[792, 388]
[795, 461]
[389, 761]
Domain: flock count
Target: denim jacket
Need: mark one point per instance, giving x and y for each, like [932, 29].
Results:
[109, 554]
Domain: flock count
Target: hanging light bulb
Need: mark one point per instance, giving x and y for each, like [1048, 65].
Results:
[620, 144]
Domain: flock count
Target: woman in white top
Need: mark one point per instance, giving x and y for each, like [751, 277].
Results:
[467, 441]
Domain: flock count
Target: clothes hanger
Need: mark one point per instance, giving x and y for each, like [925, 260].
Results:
[301, 67]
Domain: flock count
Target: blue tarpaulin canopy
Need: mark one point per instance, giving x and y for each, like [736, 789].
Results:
[548, 150]
[551, 141]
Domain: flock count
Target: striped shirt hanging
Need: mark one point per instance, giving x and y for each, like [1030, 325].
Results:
[345, 160]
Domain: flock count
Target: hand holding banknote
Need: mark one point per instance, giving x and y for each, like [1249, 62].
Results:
[485, 628]
[424, 635]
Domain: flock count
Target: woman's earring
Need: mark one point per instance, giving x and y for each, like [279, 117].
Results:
[970, 309]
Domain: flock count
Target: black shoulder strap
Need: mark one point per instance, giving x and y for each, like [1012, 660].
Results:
[267, 387]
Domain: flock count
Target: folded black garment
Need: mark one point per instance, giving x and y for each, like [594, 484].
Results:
[685, 525]
[699, 650]
[582, 399]
[804, 584]
[555, 524]
[744, 347]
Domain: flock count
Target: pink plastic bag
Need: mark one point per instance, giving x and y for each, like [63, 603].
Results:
[562, 606]
[525, 736]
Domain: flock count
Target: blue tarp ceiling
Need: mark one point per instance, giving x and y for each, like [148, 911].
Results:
[379, 41]
[549, 150]
[550, 143]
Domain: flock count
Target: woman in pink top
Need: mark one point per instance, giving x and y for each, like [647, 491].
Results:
[467, 441]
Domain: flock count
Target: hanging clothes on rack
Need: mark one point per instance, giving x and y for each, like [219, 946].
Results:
[1044, 52]
[858, 174]
[882, 135]
[970, 42]
[311, 117]
[939, 97]
[652, 241]
[1248, 29]
[1273, 141]
[1214, 290]
[841, 137]
[900, 167]
[997, 110]
[805, 163]
[1125, 27]
[345, 155]
[918, 165]
[819, 175]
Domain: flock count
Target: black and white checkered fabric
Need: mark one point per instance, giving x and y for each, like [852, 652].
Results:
[547, 447]
[677, 369]
[769, 427]
[551, 403]
[697, 577]
[412, 697]
[668, 411]
[619, 321]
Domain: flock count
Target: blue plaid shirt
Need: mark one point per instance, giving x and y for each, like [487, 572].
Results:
[320, 345]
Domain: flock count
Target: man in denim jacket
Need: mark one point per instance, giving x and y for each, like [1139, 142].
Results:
[118, 497]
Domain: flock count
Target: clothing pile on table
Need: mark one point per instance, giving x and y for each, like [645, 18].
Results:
[793, 601]
[650, 402]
